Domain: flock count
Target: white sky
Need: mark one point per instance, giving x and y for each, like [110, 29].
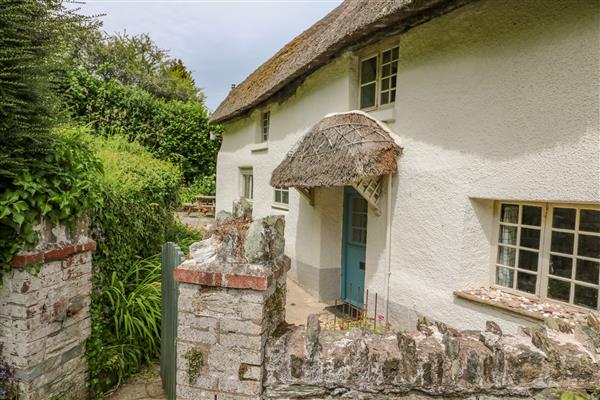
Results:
[221, 42]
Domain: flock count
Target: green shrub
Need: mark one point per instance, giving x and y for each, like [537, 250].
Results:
[172, 130]
[205, 185]
[140, 194]
[61, 187]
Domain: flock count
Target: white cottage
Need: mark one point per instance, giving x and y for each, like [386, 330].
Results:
[421, 149]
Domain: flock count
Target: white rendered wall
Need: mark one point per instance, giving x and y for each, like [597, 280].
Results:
[313, 241]
[497, 100]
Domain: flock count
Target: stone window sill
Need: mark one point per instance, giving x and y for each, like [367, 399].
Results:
[525, 306]
[386, 114]
[257, 147]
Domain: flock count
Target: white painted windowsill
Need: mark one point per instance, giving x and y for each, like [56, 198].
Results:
[387, 114]
[264, 146]
[280, 206]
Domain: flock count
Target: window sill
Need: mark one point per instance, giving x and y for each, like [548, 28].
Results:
[386, 114]
[258, 147]
[280, 206]
[524, 306]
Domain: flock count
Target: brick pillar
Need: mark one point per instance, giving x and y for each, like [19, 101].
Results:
[227, 310]
[44, 315]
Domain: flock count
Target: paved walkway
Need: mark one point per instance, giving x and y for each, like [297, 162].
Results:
[145, 386]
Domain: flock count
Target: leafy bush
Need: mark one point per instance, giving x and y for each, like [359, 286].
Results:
[135, 218]
[60, 189]
[172, 130]
[205, 185]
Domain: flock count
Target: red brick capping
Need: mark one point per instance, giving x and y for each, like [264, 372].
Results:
[60, 253]
[235, 276]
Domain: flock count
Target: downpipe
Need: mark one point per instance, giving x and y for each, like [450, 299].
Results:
[388, 245]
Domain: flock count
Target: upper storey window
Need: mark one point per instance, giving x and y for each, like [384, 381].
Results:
[378, 74]
[265, 124]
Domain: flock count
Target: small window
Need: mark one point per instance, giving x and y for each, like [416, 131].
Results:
[378, 78]
[265, 122]
[519, 240]
[282, 196]
[247, 187]
[556, 258]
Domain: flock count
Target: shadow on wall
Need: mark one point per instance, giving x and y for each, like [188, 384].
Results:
[318, 244]
[502, 79]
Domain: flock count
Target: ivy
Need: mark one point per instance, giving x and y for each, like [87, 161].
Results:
[59, 190]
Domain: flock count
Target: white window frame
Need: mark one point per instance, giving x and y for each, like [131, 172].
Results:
[545, 252]
[265, 126]
[378, 55]
[280, 204]
[245, 172]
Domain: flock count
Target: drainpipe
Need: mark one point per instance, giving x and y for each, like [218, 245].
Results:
[388, 245]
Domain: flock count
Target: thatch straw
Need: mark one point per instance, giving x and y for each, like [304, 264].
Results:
[353, 22]
[339, 150]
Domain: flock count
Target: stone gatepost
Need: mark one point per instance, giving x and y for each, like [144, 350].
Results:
[231, 299]
[44, 314]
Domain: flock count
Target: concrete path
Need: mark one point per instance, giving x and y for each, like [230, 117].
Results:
[145, 386]
[300, 305]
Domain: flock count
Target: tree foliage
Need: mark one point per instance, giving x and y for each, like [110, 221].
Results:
[172, 130]
[137, 61]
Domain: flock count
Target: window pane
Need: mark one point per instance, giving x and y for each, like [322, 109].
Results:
[385, 84]
[509, 213]
[387, 56]
[561, 266]
[586, 296]
[508, 235]
[589, 246]
[367, 96]
[506, 256]
[526, 282]
[393, 96]
[530, 238]
[368, 70]
[587, 271]
[589, 220]
[532, 215]
[385, 98]
[528, 260]
[559, 290]
[285, 197]
[504, 276]
[562, 242]
[386, 70]
[393, 81]
[395, 53]
[564, 218]
[277, 196]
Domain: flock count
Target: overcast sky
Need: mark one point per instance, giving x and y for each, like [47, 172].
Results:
[221, 41]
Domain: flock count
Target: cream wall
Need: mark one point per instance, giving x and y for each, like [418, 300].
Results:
[497, 100]
[313, 241]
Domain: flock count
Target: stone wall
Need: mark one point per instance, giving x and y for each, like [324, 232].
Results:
[44, 316]
[433, 360]
[231, 299]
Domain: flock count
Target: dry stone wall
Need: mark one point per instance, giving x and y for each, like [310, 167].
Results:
[231, 299]
[434, 360]
[44, 316]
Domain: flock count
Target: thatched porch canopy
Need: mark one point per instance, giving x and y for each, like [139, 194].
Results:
[339, 150]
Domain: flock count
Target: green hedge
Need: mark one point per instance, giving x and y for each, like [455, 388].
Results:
[172, 130]
[140, 194]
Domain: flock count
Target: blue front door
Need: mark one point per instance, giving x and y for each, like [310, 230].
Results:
[354, 247]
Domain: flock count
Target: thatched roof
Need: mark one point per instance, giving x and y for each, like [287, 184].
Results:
[339, 150]
[351, 23]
